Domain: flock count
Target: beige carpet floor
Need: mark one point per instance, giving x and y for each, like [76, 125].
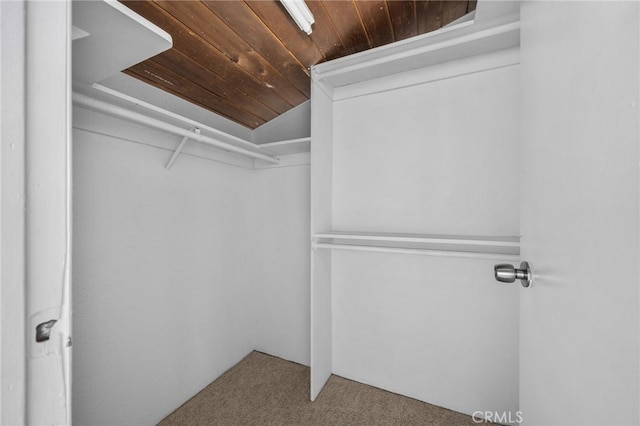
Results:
[265, 390]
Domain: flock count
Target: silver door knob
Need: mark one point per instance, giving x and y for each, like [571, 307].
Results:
[507, 273]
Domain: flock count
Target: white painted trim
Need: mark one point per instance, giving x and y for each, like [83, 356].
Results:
[12, 214]
[321, 84]
[66, 305]
[48, 216]
[321, 333]
[458, 68]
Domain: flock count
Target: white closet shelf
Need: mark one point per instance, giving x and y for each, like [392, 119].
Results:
[287, 147]
[470, 246]
[447, 44]
[127, 114]
[171, 122]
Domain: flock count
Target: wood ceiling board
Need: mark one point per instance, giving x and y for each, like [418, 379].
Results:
[193, 46]
[347, 24]
[258, 35]
[274, 16]
[180, 86]
[328, 40]
[472, 4]
[433, 15]
[403, 18]
[111, 27]
[429, 16]
[375, 18]
[138, 96]
[200, 75]
[454, 10]
[201, 20]
[251, 55]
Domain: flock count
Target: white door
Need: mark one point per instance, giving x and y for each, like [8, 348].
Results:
[48, 211]
[580, 329]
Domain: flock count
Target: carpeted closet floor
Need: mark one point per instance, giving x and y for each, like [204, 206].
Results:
[265, 390]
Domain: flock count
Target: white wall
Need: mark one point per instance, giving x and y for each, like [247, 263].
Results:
[280, 267]
[180, 273]
[434, 158]
[437, 329]
[160, 285]
[293, 124]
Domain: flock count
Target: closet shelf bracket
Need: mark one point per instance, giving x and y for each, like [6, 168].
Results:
[178, 150]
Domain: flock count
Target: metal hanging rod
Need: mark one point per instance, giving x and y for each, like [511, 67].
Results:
[416, 251]
[127, 114]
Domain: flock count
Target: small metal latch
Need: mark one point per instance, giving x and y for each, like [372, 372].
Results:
[43, 330]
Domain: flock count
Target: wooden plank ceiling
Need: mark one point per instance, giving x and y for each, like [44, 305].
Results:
[248, 61]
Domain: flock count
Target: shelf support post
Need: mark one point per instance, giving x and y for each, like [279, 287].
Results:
[179, 149]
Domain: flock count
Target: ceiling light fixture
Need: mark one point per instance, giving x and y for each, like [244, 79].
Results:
[300, 13]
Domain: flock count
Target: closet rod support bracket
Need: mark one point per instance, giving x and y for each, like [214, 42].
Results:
[179, 149]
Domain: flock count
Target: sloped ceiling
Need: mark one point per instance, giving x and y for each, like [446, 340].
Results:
[248, 61]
